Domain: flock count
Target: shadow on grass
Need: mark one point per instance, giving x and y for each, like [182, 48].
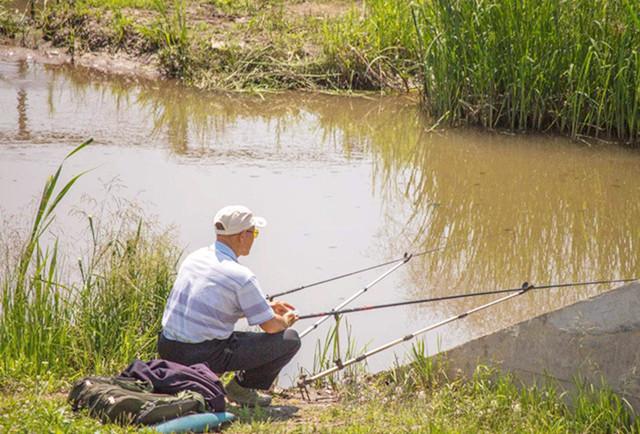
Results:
[263, 414]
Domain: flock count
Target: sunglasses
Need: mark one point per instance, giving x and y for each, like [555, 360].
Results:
[255, 232]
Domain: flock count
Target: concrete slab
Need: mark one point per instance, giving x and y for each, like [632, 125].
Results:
[595, 339]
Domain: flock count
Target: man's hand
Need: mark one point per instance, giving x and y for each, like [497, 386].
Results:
[282, 320]
[281, 307]
[290, 318]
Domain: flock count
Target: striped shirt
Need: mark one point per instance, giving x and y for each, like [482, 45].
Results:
[212, 291]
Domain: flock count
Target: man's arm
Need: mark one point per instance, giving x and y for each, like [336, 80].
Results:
[279, 322]
[251, 299]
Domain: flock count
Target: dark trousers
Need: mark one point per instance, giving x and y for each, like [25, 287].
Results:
[258, 357]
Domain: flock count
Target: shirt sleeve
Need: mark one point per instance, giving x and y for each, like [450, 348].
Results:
[253, 303]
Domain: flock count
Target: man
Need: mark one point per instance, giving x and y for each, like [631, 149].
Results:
[212, 291]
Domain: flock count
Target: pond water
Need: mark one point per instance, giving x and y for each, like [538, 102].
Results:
[345, 182]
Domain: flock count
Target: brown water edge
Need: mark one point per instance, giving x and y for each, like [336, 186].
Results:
[114, 64]
[345, 182]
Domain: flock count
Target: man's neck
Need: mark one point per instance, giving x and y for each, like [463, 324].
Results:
[229, 245]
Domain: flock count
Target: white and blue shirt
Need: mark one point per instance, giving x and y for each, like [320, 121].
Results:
[212, 291]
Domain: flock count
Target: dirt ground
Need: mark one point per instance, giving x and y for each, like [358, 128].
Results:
[291, 408]
[128, 61]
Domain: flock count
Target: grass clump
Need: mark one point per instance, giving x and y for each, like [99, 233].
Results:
[261, 46]
[571, 67]
[336, 348]
[421, 397]
[99, 324]
[170, 33]
[10, 23]
[140, 28]
[373, 46]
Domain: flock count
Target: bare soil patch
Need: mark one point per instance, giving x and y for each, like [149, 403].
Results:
[118, 63]
[320, 10]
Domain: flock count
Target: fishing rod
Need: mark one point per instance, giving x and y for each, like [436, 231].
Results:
[303, 380]
[337, 310]
[352, 273]
[356, 295]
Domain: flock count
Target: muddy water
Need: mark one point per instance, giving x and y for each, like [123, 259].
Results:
[344, 183]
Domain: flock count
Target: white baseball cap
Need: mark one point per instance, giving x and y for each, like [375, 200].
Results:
[235, 219]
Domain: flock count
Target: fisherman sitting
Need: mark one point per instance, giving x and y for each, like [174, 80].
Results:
[211, 292]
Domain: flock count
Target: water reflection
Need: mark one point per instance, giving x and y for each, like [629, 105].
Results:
[21, 108]
[509, 208]
[195, 120]
[512, 209]
[198, 124]
[23, 131]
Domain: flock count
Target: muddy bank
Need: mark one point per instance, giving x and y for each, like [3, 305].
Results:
[118, 63]
[257, 45]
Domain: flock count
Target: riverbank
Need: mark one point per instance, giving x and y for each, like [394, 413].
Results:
[251, 46]
[569, 68]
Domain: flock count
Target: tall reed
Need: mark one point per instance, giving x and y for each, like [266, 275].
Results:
[100, 323]
[335, 349]
[171, 32]
[571, 66]
[373, 46]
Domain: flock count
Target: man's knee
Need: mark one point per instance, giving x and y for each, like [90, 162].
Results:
[292, 340]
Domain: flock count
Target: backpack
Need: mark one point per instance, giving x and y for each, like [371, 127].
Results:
[130, 401]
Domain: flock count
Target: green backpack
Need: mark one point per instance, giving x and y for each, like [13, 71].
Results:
[130, 401]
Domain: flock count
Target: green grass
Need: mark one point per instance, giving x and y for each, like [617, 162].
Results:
[409, 398]
[239, 7]
[373, 46]
[11, 23]
[419, 396]
[97, 324]
[571, 67]
[338, 344]
[33, 412]
[119, 4]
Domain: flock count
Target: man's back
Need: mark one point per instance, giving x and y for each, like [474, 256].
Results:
[211, 292]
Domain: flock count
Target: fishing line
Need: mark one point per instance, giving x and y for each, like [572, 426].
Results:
[453, 297]
[356, 295]
[373, 267]
[353, 273]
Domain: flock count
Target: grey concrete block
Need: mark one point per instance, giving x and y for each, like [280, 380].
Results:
[596, 339]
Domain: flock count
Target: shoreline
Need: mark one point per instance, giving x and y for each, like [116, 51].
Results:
[590, 91]
[118, 64]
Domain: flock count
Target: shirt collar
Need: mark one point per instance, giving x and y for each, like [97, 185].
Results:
[225, 250]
